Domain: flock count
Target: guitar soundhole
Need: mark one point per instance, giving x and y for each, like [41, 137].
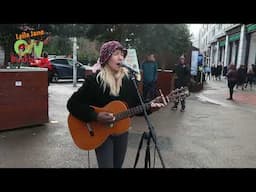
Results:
[91, 133]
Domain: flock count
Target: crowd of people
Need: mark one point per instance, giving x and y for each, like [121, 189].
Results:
[216, 71]
[240, 77]
[236, 77]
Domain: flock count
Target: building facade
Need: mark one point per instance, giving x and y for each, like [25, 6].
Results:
[1, 55]
[228, 43]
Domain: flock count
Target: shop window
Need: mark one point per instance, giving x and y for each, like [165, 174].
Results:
[255, 58]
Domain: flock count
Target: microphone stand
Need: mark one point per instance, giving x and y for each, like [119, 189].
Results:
[151, 134]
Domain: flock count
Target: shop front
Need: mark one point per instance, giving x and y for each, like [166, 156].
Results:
[251, 34]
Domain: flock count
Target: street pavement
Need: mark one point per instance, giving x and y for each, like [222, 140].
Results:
[212, 133]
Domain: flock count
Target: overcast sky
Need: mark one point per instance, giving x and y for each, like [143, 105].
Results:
[194, 28]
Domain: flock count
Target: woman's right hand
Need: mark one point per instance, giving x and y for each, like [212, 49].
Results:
[105, 117]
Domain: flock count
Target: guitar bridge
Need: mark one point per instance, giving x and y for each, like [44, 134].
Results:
[91, 132]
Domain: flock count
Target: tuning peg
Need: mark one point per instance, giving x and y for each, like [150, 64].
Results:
[162, 96]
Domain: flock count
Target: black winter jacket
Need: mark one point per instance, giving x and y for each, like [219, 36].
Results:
[91, 93]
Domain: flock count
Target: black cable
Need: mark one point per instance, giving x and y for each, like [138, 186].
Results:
[89, 163]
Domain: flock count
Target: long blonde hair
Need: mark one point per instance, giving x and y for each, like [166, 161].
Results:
[111, 80]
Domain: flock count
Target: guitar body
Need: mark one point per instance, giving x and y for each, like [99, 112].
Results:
[91, 135]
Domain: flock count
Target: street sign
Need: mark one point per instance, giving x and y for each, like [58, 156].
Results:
[194, 63]
[132, 60]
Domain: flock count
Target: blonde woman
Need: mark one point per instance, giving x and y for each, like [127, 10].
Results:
[109, 84]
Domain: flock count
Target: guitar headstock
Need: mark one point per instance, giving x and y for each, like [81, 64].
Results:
[184, 91]
[179, 93]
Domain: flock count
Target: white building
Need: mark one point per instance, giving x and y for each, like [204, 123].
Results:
[228, 43]
[1, 55]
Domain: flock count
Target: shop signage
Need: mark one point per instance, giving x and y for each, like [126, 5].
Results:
[234, 37]
[27, 46]
[222, 43]
[251, 28]
[26, 35]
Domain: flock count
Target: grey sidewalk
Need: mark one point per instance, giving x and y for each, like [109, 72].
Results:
[211, 133]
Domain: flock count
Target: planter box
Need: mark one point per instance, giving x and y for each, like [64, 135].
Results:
[165, 81]
[23, 97]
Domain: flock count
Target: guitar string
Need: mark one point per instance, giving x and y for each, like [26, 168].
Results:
[173, 96]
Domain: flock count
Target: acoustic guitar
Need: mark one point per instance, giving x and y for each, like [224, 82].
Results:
[91, 135]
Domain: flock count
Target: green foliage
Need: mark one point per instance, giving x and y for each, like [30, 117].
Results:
[145, 38]
[161, 37]
[88, 51]
[59, 46]
[69, 30]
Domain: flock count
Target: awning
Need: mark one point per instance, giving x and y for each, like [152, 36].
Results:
[251, 28]
[222, 43]
[234, 37]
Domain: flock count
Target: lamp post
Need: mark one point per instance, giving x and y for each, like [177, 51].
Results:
[74, 61]
[127, 45]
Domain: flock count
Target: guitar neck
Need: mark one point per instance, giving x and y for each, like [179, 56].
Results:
[131, 112]
[139, 109]
[177, 94]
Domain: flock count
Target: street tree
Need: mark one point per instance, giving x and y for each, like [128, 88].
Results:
[145, 38]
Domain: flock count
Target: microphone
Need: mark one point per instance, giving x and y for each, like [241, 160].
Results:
[128, 67]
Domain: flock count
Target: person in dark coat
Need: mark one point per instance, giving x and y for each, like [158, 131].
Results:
[219, 71]
[249, 78]
[232, 76]
[182, 77]
[241, 76]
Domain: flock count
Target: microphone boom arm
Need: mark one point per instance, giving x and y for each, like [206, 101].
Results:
[129, 68]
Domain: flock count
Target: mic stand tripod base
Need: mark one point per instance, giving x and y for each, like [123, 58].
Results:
[150, 127]
[147, 137]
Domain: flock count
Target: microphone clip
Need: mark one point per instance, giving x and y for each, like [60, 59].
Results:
[129, 68]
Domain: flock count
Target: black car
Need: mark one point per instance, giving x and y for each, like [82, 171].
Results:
[63, 69]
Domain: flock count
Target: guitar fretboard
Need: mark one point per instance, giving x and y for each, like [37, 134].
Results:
[131, 112]
[174, 95]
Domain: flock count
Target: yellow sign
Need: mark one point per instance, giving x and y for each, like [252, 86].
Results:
[25, 35]
[22, 47]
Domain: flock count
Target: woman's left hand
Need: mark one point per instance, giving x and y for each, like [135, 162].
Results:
[156, 106]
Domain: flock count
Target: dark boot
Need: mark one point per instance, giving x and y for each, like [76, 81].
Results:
[174, 108]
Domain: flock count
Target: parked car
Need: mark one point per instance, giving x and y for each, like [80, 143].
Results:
[63, 69]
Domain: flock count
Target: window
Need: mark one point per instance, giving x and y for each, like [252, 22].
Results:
[60, 61]
[255, 58]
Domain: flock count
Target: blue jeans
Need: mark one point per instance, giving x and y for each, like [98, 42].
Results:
[112, 152]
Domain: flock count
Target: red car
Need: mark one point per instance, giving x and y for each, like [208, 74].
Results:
[42, 62]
